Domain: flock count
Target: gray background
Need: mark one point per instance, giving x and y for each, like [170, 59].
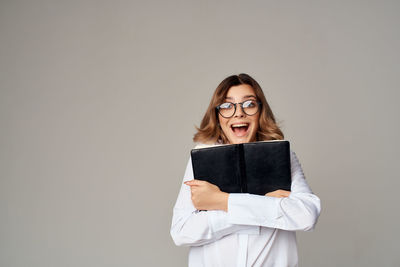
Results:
[99, 100]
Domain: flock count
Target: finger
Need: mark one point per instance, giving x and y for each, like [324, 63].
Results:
[281, 192]
[285, 193]
[189, 183]
[194, 182]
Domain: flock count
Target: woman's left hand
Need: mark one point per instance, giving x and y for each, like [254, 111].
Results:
[278, 193]
[207, 196]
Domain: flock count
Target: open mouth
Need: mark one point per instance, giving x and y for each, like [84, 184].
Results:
[240, 129]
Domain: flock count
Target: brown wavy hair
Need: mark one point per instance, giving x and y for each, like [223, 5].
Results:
[210, 131]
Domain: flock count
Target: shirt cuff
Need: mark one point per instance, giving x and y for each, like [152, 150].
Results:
[218, 220]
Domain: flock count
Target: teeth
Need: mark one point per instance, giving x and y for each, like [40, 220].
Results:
[240, 125]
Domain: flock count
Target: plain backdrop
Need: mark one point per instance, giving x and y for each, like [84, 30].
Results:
[99, 99]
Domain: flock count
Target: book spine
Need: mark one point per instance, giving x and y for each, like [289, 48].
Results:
[242, 168]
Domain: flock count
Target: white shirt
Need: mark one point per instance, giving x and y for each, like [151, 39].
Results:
[255, 231]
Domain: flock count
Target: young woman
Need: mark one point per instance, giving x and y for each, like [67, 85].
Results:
[241, 229]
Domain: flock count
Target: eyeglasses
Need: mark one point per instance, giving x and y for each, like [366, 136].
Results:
[228, 109]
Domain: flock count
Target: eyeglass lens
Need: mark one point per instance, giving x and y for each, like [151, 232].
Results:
[250, 107]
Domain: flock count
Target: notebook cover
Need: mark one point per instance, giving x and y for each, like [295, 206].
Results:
[267, 166]
[256, 168]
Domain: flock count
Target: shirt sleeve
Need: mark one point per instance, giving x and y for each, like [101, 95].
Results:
[191, 227]
[299, 211]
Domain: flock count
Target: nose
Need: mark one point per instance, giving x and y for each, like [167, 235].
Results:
[239, 111]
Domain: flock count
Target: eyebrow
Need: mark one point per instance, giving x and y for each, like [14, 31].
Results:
[246, 96]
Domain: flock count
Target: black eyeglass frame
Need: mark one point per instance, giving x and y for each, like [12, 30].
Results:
[217, 108]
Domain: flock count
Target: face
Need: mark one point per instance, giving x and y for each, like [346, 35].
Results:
[240, 128]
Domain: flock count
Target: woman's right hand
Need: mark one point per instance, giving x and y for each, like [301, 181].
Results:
[278, 193]
[207, 196]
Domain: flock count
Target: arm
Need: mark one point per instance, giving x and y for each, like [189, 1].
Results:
[195, 228]
[299, 211]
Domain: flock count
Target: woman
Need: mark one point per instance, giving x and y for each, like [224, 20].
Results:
[241, 229]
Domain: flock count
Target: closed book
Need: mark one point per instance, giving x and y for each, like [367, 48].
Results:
[255, 168]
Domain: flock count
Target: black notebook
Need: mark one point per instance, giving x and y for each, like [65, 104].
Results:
[255, 168]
